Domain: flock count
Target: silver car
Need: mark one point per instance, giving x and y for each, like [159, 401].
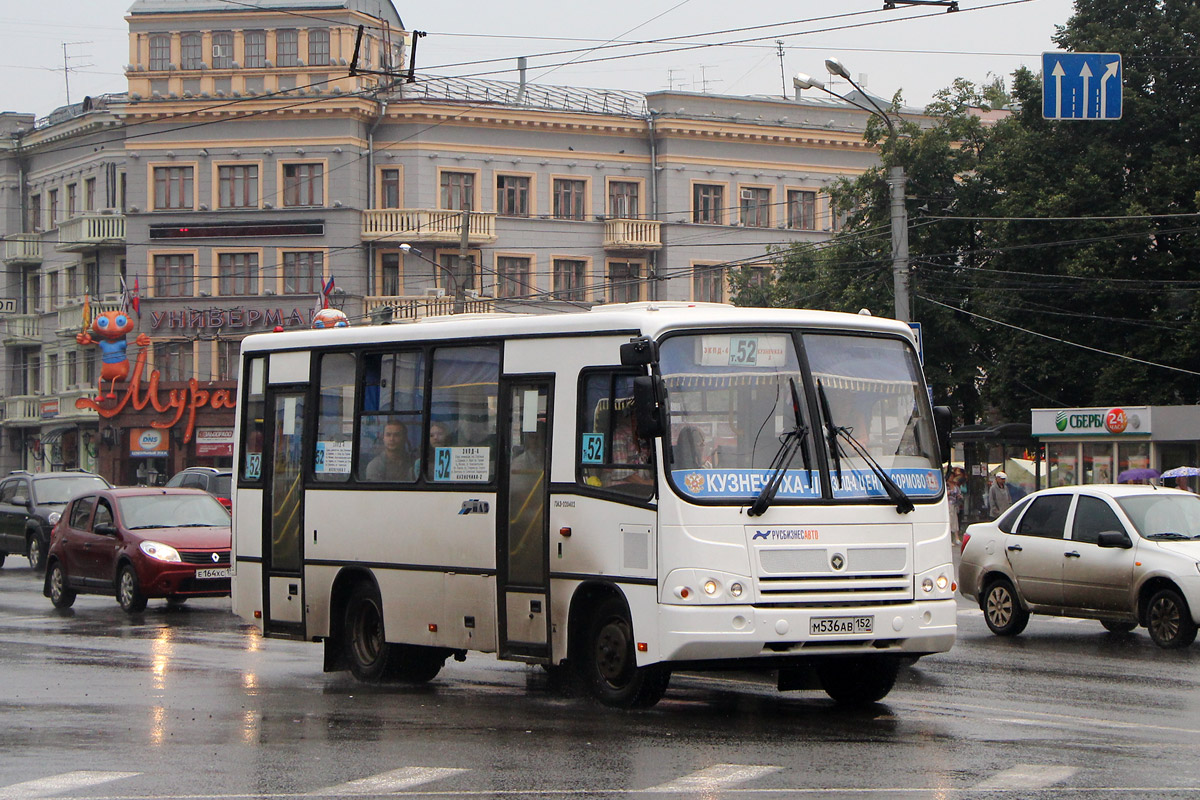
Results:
[1123, 555]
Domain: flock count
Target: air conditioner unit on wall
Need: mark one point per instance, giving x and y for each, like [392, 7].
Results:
[434, 292]
[747, 194]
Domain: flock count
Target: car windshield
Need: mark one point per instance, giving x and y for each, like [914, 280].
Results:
[58, 490]
[1163, 515]
[172, 511]
[730, 396]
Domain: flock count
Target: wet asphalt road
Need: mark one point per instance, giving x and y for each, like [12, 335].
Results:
[191, 703]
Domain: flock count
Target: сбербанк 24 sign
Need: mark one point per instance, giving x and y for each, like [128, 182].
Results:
[1081, 86]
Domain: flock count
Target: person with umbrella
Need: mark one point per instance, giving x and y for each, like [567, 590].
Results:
[1183, 476]
[1138, 475]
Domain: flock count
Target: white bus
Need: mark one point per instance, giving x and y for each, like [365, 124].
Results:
[622, 492]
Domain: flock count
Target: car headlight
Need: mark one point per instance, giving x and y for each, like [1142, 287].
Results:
[163, 552]
[53, 517]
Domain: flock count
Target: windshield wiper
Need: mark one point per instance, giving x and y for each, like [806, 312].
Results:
[144, 527]
[1169, 535]
[837, 434]
[794, 440]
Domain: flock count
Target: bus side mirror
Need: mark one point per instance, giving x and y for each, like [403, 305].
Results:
[646, 409]
[639, 352]
[943, 421]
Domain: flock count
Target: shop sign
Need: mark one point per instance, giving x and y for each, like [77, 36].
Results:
[176, 403]
[1110, 421]
[148, 443]
[214, 442]
[49, 408]
[231, 318]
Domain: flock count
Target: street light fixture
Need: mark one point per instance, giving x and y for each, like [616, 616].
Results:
[408, 248]
[896, 181]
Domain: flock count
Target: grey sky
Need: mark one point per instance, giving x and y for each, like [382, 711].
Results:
[916, 49]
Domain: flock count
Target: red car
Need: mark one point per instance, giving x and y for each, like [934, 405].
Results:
[139, 543]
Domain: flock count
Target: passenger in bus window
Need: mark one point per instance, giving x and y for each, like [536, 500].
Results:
[690, 450]
[439, 434]
[395, 462]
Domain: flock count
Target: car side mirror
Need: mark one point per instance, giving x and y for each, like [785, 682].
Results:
[105, 530]
[20, 500]
[943, 421]
[646, 409]
[1114, 539]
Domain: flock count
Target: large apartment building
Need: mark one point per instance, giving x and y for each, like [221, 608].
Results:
[244, 167]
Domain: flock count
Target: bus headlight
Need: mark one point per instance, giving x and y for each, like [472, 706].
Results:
[735, 589]
[937, 583]
[710, 587]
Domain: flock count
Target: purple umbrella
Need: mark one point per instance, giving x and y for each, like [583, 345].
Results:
[1138, 474]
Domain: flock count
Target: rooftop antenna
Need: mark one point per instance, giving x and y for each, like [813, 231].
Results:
[705, 80]
[67, 67]
[782, 76]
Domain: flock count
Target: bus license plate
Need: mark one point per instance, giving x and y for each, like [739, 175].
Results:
[819, 626]
[218, 572]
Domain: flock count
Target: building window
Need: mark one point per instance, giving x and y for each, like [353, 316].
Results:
[458, 190]
[512, 276]
[570, 279]
[222, 50]
[802, 210]
[52, 290]
[173, 360]
[160, 52]
[72, 199]
[35, 212]
[756, 207]
[512, 196]
[35, 375]
[172, 187]
[624, 281]
[89, 366]
[52, 373]
[389, 188]
[72, 368]
[623, 199]
[568, 198]
[318, 47]
[174, 275]
[89, 194]
[53, 193]
[390, 274]
[302, 272]
[237, 274]
[708, 204]
[303, 184]
[238, 186]
[287, 47]
[71, 275]
[91, 277]
[255, 45]
[227, 359]
[708, 284]
[122, 183]
[190, 52]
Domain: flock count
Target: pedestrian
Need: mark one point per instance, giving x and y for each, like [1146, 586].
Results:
[1182, 482]
[999, 496]
[955, 486]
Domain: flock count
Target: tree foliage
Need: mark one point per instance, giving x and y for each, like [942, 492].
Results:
[1028, 236]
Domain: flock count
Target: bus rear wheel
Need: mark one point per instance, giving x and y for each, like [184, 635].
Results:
[608, 666]
[371, 658]
[858, 680]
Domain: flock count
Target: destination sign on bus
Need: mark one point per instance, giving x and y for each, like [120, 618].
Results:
[798, 484]
[743, 351]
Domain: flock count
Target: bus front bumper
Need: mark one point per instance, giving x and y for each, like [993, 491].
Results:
[703, 633]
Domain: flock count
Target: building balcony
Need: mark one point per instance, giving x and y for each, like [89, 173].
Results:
[90, 231]
[632, 234]
[32, 410]
[23, 411]
[409, 307]
[23, 249]
[23, 330]
[426, 225]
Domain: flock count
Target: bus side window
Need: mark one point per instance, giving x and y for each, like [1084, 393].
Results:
[392, 415]
[335, 418]
[464, 406]
[252, 421]
[612, 455]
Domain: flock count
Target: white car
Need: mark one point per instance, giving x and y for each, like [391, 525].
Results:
[1124, 555]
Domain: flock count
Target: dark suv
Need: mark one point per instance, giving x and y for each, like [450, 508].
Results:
[30, 505]
[213, 480]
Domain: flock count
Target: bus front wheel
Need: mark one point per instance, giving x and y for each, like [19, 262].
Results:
[371, 658]
[858, 680]
[609, 662]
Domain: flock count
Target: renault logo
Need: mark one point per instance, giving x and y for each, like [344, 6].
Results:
[838, 561]
[216, 557]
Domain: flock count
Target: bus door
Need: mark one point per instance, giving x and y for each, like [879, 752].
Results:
[522, 520]
[283, 510]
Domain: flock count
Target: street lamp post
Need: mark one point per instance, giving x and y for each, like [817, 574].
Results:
[896, 182]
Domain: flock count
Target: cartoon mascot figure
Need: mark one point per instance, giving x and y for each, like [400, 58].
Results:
[330, 318]
[108, 332]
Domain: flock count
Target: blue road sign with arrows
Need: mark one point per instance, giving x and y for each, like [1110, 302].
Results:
[1081, 86]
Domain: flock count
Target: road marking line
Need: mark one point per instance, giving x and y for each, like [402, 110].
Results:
[57, 784]
[714, 778]
[1027, 777]
[395, 781]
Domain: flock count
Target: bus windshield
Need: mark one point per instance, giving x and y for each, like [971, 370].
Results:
[731, 404]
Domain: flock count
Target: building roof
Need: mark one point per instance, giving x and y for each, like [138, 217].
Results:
[381, 9]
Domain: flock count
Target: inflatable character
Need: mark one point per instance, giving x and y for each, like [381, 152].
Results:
[109, 329]
[330, 318]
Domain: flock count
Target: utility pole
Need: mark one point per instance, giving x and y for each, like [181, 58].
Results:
[896, 180]
[463, 272]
